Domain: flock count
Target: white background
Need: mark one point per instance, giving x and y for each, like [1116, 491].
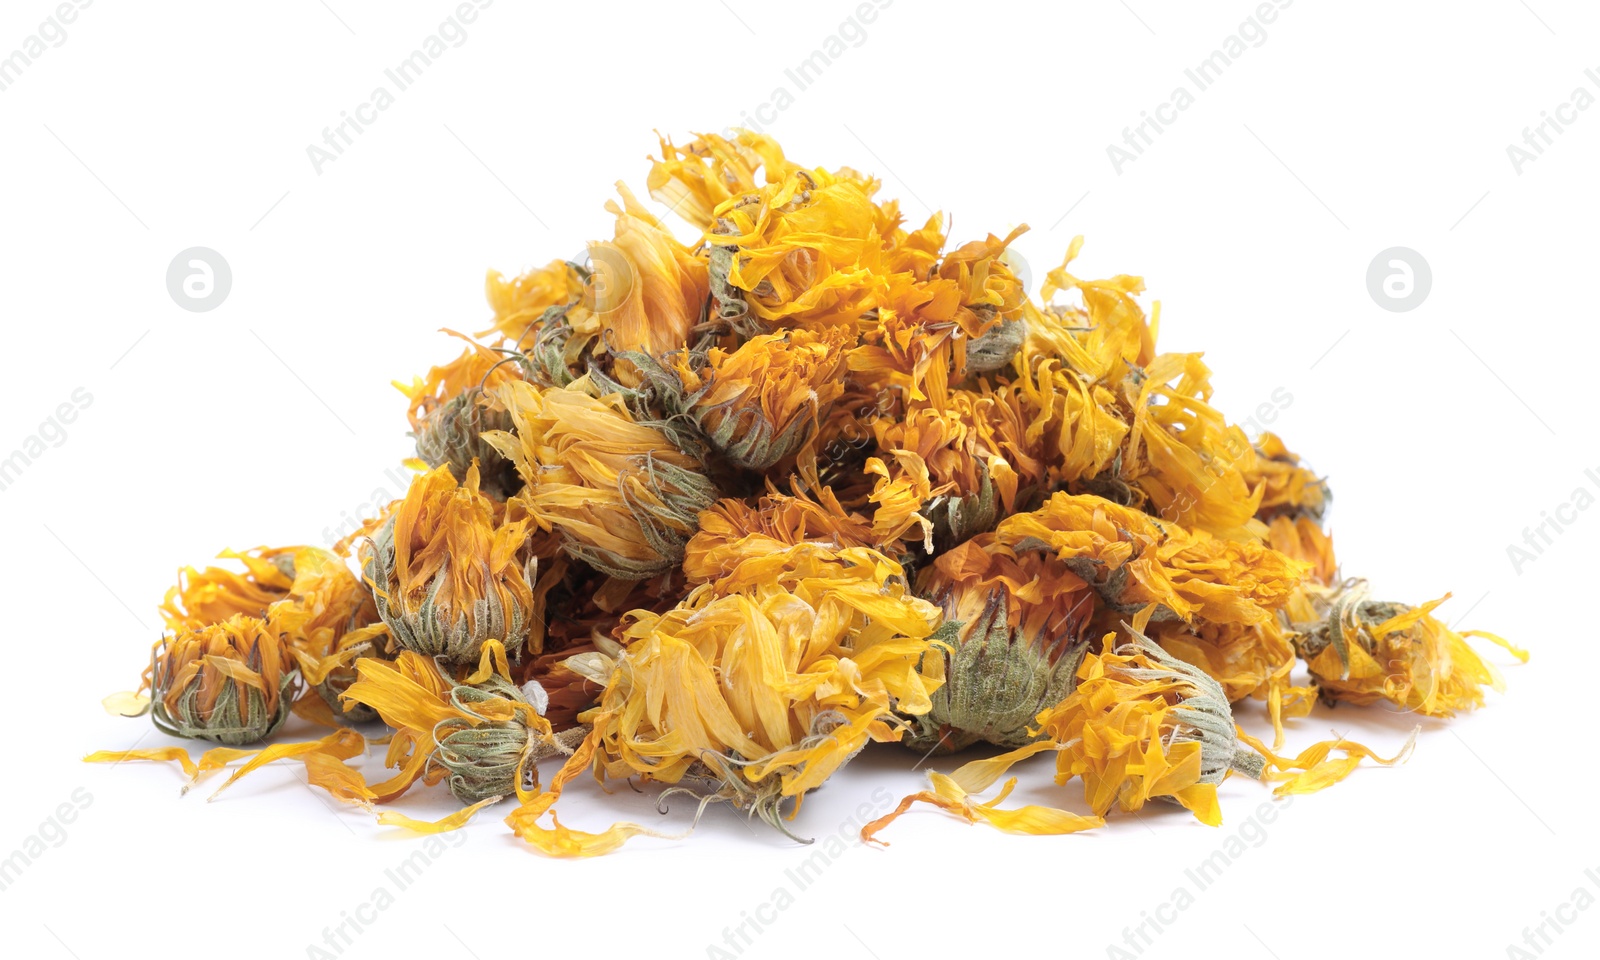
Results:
[1354, 127]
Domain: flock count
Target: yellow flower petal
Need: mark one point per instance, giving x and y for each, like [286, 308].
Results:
[454, 821]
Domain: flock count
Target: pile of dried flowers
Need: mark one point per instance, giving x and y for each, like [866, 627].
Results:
[717, 516]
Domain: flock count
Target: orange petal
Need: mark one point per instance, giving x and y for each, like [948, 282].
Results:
[454, 821]
[339, 745]
[559, 841]
[167, 754]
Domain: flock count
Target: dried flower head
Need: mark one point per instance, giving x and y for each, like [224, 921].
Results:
[622, 496]
[710, 170]
[481, 733]
[733, 531]
[648, 290]
[329, 621]
[1077, 423]
[1015, 625]
[1132, 424]
[758, 403]
[520, 303]
[977, 448]
[1184, 456]
[1139, 725]
[1246, 659]
[451, 570]
[1290, 489]
[1369, 650]
[232, 682]
[1107, 337]
[763, 692]
[453, 406]
[204, 597]
[807, 247]
[1133, 560]
[991, 291]
[927, 323]
[1142, 724]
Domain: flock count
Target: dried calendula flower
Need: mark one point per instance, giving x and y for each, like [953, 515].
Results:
[991, 293]
[764, 691]
[700, 178]
[807, 249]
[977, 448]
[520, 303]
[451, 570]
[1181, 459]
[481, 734]
[710, 170]
[1183, 454]
[1106, 338]
[622, 496]
[1015, 626]
[1257, 658]
[757, 404]
[1290, 488]
[648, 289]
[927, 324]
[898, 498]
[1077, 423]
[1254, 659]
[207, 596]
[454, 406]
[231, 682]
[733, 531]
[1369, 650]
[1140, 725]
[329, 620]
[1133, 560]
